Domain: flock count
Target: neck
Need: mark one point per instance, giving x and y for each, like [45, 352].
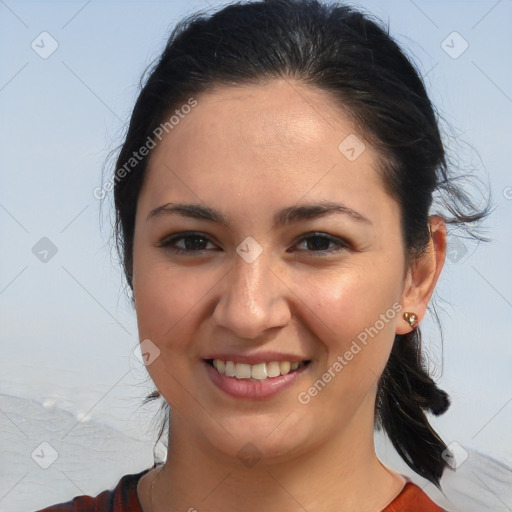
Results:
[343, 474]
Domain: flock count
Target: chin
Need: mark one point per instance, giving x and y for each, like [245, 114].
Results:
[259, 439]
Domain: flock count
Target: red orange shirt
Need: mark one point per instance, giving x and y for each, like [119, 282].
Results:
[123, 498]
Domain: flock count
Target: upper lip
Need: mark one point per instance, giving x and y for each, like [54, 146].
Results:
[261, 357]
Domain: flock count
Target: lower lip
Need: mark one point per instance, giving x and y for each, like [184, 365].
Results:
[252, 389]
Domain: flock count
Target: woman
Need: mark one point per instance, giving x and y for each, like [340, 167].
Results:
[275, 216]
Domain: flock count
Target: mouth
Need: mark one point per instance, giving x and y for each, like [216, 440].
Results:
[260, 372]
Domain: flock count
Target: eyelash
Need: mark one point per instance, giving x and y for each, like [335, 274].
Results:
[169, 243]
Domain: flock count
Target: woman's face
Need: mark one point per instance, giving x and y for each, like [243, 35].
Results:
[267, 277]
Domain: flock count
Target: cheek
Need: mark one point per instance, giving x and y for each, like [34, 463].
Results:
[338, 304]
[346, 301]
[353, 312]
[168, 298]
[167, 302]
[354, 315]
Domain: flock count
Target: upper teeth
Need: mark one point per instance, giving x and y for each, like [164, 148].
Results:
[256, 371]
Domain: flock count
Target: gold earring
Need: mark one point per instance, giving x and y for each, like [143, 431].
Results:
[412, 318]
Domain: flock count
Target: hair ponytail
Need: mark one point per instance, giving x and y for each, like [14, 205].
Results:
[405, 393]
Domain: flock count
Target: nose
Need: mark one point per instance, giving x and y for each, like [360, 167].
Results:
[252, 300]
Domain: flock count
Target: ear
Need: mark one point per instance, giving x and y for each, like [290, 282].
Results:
[423, 274]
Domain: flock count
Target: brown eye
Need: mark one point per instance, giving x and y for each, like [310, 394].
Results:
[320, 243]
[186, 243]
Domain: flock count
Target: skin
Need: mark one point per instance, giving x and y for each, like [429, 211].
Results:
[248, 152]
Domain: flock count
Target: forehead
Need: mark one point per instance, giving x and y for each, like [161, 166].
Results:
[267, 144]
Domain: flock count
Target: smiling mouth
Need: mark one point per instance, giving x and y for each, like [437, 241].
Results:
[257, 372]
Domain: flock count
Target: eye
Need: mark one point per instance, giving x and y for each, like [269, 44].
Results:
[186, 243]
[319, 243]
[193, 243]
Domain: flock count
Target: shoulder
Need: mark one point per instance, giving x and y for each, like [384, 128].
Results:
[122, 498]
[412, 498]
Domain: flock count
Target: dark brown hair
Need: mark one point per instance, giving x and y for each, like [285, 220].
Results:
[338, 49]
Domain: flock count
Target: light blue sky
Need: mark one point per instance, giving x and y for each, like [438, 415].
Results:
[67, 326]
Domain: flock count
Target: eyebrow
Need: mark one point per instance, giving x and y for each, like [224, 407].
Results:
[283, 217]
